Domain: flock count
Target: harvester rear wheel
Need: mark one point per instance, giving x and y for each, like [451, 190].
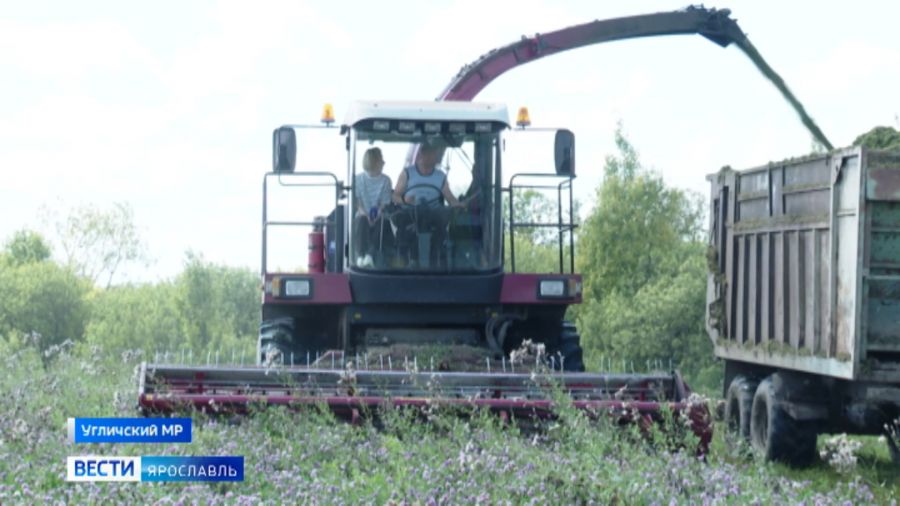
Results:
[738, 407]
[774, 434]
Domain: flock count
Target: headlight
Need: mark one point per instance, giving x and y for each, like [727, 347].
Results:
[574, 287]
[553, 288]
[297, 288]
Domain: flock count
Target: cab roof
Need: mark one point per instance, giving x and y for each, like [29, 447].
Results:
[425, 111]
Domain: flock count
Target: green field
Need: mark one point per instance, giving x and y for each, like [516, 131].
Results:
[308, 458]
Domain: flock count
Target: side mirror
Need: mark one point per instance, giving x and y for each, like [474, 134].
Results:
[564, 153]
[284, 149]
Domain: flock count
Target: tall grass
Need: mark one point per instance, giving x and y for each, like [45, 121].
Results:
[309, 458]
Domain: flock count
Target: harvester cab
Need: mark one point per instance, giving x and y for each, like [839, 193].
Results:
[411, 255]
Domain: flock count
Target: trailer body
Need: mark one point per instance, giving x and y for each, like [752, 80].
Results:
[807, 265]
[804, 283]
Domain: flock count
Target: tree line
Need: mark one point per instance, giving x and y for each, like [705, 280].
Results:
[641, 252]
[46, 302]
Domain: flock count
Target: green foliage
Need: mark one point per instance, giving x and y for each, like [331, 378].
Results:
[43, 298]
[880, 137]
[26, 246]
[309, 458]
[217, 304]
[130, 317]
[662, 320]
[536, 248]
[637, 231]
[207, 307]
[532, 206]
[96, 242]
[644, 270]
[532, 257]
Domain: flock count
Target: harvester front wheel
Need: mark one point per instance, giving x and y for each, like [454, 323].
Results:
[774, 434]
[275, 344]
[738, 407]
[568, 346]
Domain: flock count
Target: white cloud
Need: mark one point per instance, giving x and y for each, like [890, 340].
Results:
[68, 50]
[847, 66]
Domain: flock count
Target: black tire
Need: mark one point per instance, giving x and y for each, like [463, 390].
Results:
[569, 348]
[738, 407]
[276, 342]
[891, 434]
[774, 434]
[893, 442]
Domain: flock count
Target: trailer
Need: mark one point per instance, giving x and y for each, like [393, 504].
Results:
[803, 298]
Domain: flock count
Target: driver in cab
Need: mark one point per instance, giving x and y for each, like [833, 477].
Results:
[423, 182]
[424, 186]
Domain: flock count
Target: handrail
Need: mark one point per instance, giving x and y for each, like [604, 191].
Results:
[561, 226]
[337, 184]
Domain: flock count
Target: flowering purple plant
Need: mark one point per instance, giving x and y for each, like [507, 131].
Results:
[309, 458]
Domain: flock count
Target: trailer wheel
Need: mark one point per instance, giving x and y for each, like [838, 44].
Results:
[738, 407]
[774, 434]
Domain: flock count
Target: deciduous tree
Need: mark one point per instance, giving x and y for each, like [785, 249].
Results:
[96, 243]
[26, 246]
[43, 298]
[642, 259]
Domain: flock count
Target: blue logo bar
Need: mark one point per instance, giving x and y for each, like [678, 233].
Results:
[103, 468]
[192, 468]
[129, 430]
[111, 468]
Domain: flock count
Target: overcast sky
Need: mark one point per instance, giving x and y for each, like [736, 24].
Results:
[169, 106]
